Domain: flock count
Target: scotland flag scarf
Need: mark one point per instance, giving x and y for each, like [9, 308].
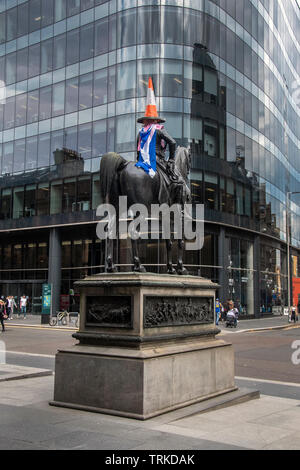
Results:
[147, 150]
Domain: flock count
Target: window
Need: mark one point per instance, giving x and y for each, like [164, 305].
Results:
[11, 68]
[19, 157]
[87, 42]
[31, 152]
[126, 28]
[58, 99]
[34, 15]
[72, 95]
[211, 139]
[83, 193]
[69, 195]
[2, 27]
[33, 106]
[145, 69]
[60, 10]
[126, 80]
[59, 51]
[149, 25]
[197, 187]
[21, 108]
[230, 204]
[56, 197]
[45, 102]
[71, 138]
[171, 78]
[85, 140]
[96, 193]
[23, 19]
[9, 113]
[210, 86]
[193, 128]
[44, 150]
[46, 56]
[30, 200]
[125, 133]
[85, 4]
[47, 12]
[211, 191]
[73, 47]
[101, 36]
[6, 200]
[99, 138]
[34, 60]
[100, 87]
[85, 91]
[193, 81]
[172, 25]
[11, 24]
[42, 199]
[8, 156]
[18, 202]
[73, 7]
[22, 64]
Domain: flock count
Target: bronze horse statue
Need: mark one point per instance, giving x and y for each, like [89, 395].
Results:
[118, 177]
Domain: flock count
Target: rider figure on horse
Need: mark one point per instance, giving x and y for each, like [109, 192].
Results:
[152, 142]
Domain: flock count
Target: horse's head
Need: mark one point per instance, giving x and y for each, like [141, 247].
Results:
[183, 161]
[183, 164]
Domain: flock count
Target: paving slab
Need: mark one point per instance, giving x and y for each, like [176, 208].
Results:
[13, 372]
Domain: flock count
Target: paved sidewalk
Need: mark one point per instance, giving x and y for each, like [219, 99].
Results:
[243, 325]
[35, 320]
[29, 422]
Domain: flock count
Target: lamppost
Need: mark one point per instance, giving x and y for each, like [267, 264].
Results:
[288, 226]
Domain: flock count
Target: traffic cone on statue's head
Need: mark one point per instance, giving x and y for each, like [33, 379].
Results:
[151, 110]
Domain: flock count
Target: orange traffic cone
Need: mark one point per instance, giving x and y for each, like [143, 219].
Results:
[151, 110]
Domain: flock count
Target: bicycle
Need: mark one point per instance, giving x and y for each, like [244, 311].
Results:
[61, 316]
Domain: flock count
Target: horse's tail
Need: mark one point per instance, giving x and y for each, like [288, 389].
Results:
[110, 163]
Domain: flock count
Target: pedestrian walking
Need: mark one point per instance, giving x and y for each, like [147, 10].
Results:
[13, 306]
[2, 314]
[294, 314]
[23, 305]
[218, 310]
[9, 302]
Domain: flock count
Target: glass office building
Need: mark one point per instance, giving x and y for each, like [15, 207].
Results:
[73, 81]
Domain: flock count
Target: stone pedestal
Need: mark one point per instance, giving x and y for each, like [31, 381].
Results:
[146, 346]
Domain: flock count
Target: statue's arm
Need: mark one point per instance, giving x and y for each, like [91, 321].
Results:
[170, 141]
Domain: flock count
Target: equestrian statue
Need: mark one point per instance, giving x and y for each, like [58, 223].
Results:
[150, 180]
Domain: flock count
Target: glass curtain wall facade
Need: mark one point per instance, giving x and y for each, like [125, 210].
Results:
[226, 73]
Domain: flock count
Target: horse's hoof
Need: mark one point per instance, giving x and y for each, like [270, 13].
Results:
[171, 270]
[182, 271]
[139, 269]
[111, 269]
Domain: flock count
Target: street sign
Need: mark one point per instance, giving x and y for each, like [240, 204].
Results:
[46, 302]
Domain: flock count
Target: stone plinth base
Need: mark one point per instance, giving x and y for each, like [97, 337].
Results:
[142, 384]
[146, 346]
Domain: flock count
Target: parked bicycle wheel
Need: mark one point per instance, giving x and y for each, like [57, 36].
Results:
[53, 321]
[64, 321]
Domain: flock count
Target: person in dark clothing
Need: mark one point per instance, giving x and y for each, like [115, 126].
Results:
[2, 311]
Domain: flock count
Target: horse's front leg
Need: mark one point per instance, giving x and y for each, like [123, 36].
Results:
[180, 268]
[170, 269]
[110, 266]
[137, 265]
